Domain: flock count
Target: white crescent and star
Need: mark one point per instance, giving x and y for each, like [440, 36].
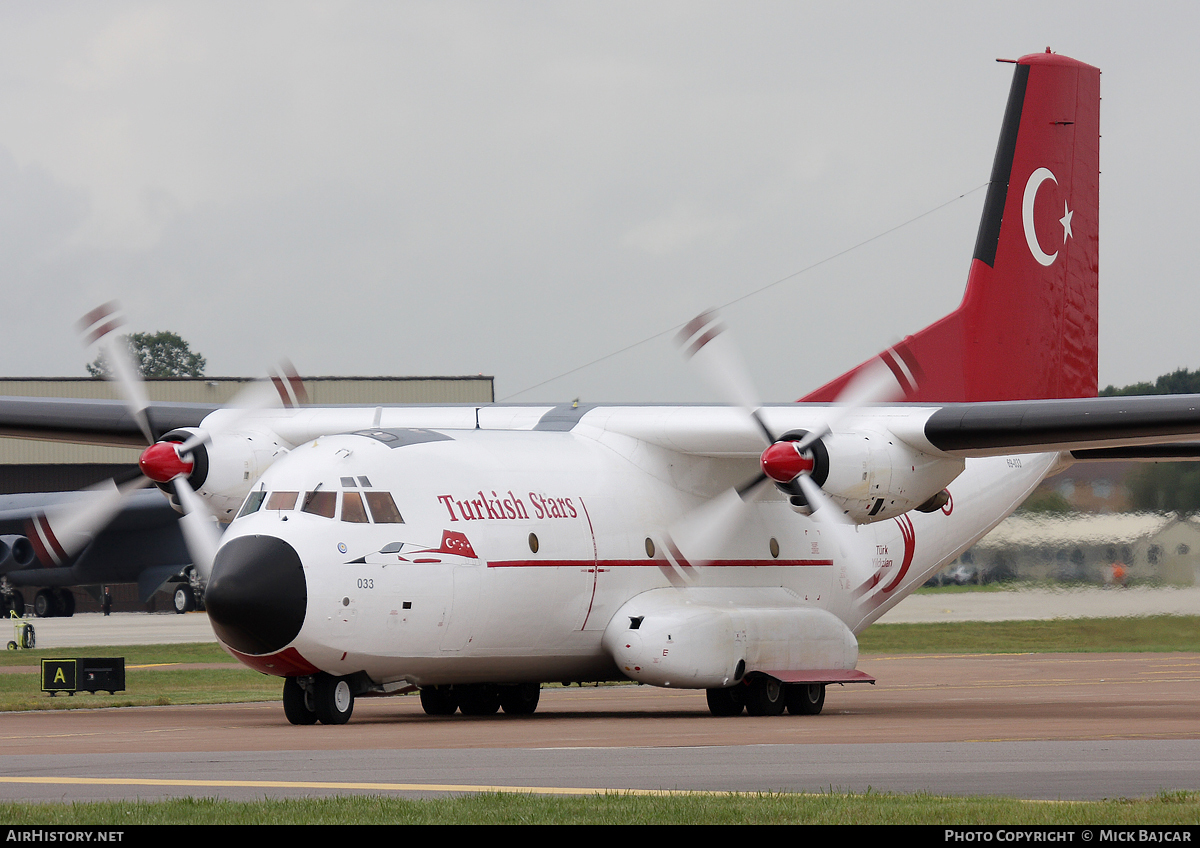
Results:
[1036, 179]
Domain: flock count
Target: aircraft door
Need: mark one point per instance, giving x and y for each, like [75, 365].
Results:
[464, 606]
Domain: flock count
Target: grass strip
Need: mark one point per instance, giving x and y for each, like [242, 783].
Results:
[155, 675]
[1157, 633]
[1181, 808]
[188, 652]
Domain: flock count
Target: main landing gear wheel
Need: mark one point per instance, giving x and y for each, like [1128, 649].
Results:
[804, 698]
[765, 697]
[521, 699]
[184, 598]
[727, 702]
[480, 699]
[333, 699]
[297, 704]
[438, 700]
[45, 605]
[51, 603]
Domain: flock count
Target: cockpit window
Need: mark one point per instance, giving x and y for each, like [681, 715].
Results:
[282, 500]
[353, 509]
[252, 503]
[320, 503]
[383, 508]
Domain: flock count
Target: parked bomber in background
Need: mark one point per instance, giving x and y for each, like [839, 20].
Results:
[475, 552]
[141, 545]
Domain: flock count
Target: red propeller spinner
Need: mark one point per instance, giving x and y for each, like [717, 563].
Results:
[162, 463]
[783, 462]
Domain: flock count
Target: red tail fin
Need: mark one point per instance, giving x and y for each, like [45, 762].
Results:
[1027, 327]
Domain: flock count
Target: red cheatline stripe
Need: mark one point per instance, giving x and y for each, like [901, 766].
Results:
[541, 563]
[654, 563]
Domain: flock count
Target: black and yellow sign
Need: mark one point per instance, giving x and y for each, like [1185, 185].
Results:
[59, 675]
[86, 674]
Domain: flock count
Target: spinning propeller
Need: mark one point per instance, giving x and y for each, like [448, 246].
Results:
[796, 462]
[168, 462]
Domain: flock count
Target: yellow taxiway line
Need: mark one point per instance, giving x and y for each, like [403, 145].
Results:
[346, 786]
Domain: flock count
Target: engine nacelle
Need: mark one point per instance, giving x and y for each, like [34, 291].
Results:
[16, 553]
[226, 467]
[711, 638]
[875, 476]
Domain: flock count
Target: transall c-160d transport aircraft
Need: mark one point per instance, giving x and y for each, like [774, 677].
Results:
[475, 552]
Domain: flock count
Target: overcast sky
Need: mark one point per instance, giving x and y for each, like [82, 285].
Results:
[518, 189]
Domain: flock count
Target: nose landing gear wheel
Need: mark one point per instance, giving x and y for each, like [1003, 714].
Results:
[297, 704]
[333, 699]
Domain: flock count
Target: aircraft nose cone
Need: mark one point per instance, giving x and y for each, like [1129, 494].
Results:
[257, 594]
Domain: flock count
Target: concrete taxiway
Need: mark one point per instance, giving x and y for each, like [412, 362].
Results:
[1033, 726]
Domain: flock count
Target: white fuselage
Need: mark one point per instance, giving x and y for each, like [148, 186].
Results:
[518, 546]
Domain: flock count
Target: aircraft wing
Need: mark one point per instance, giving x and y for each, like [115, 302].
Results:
[1156, 427]
[1175, 452]
[1152, 427]
[1135, 427]
[94, 422]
